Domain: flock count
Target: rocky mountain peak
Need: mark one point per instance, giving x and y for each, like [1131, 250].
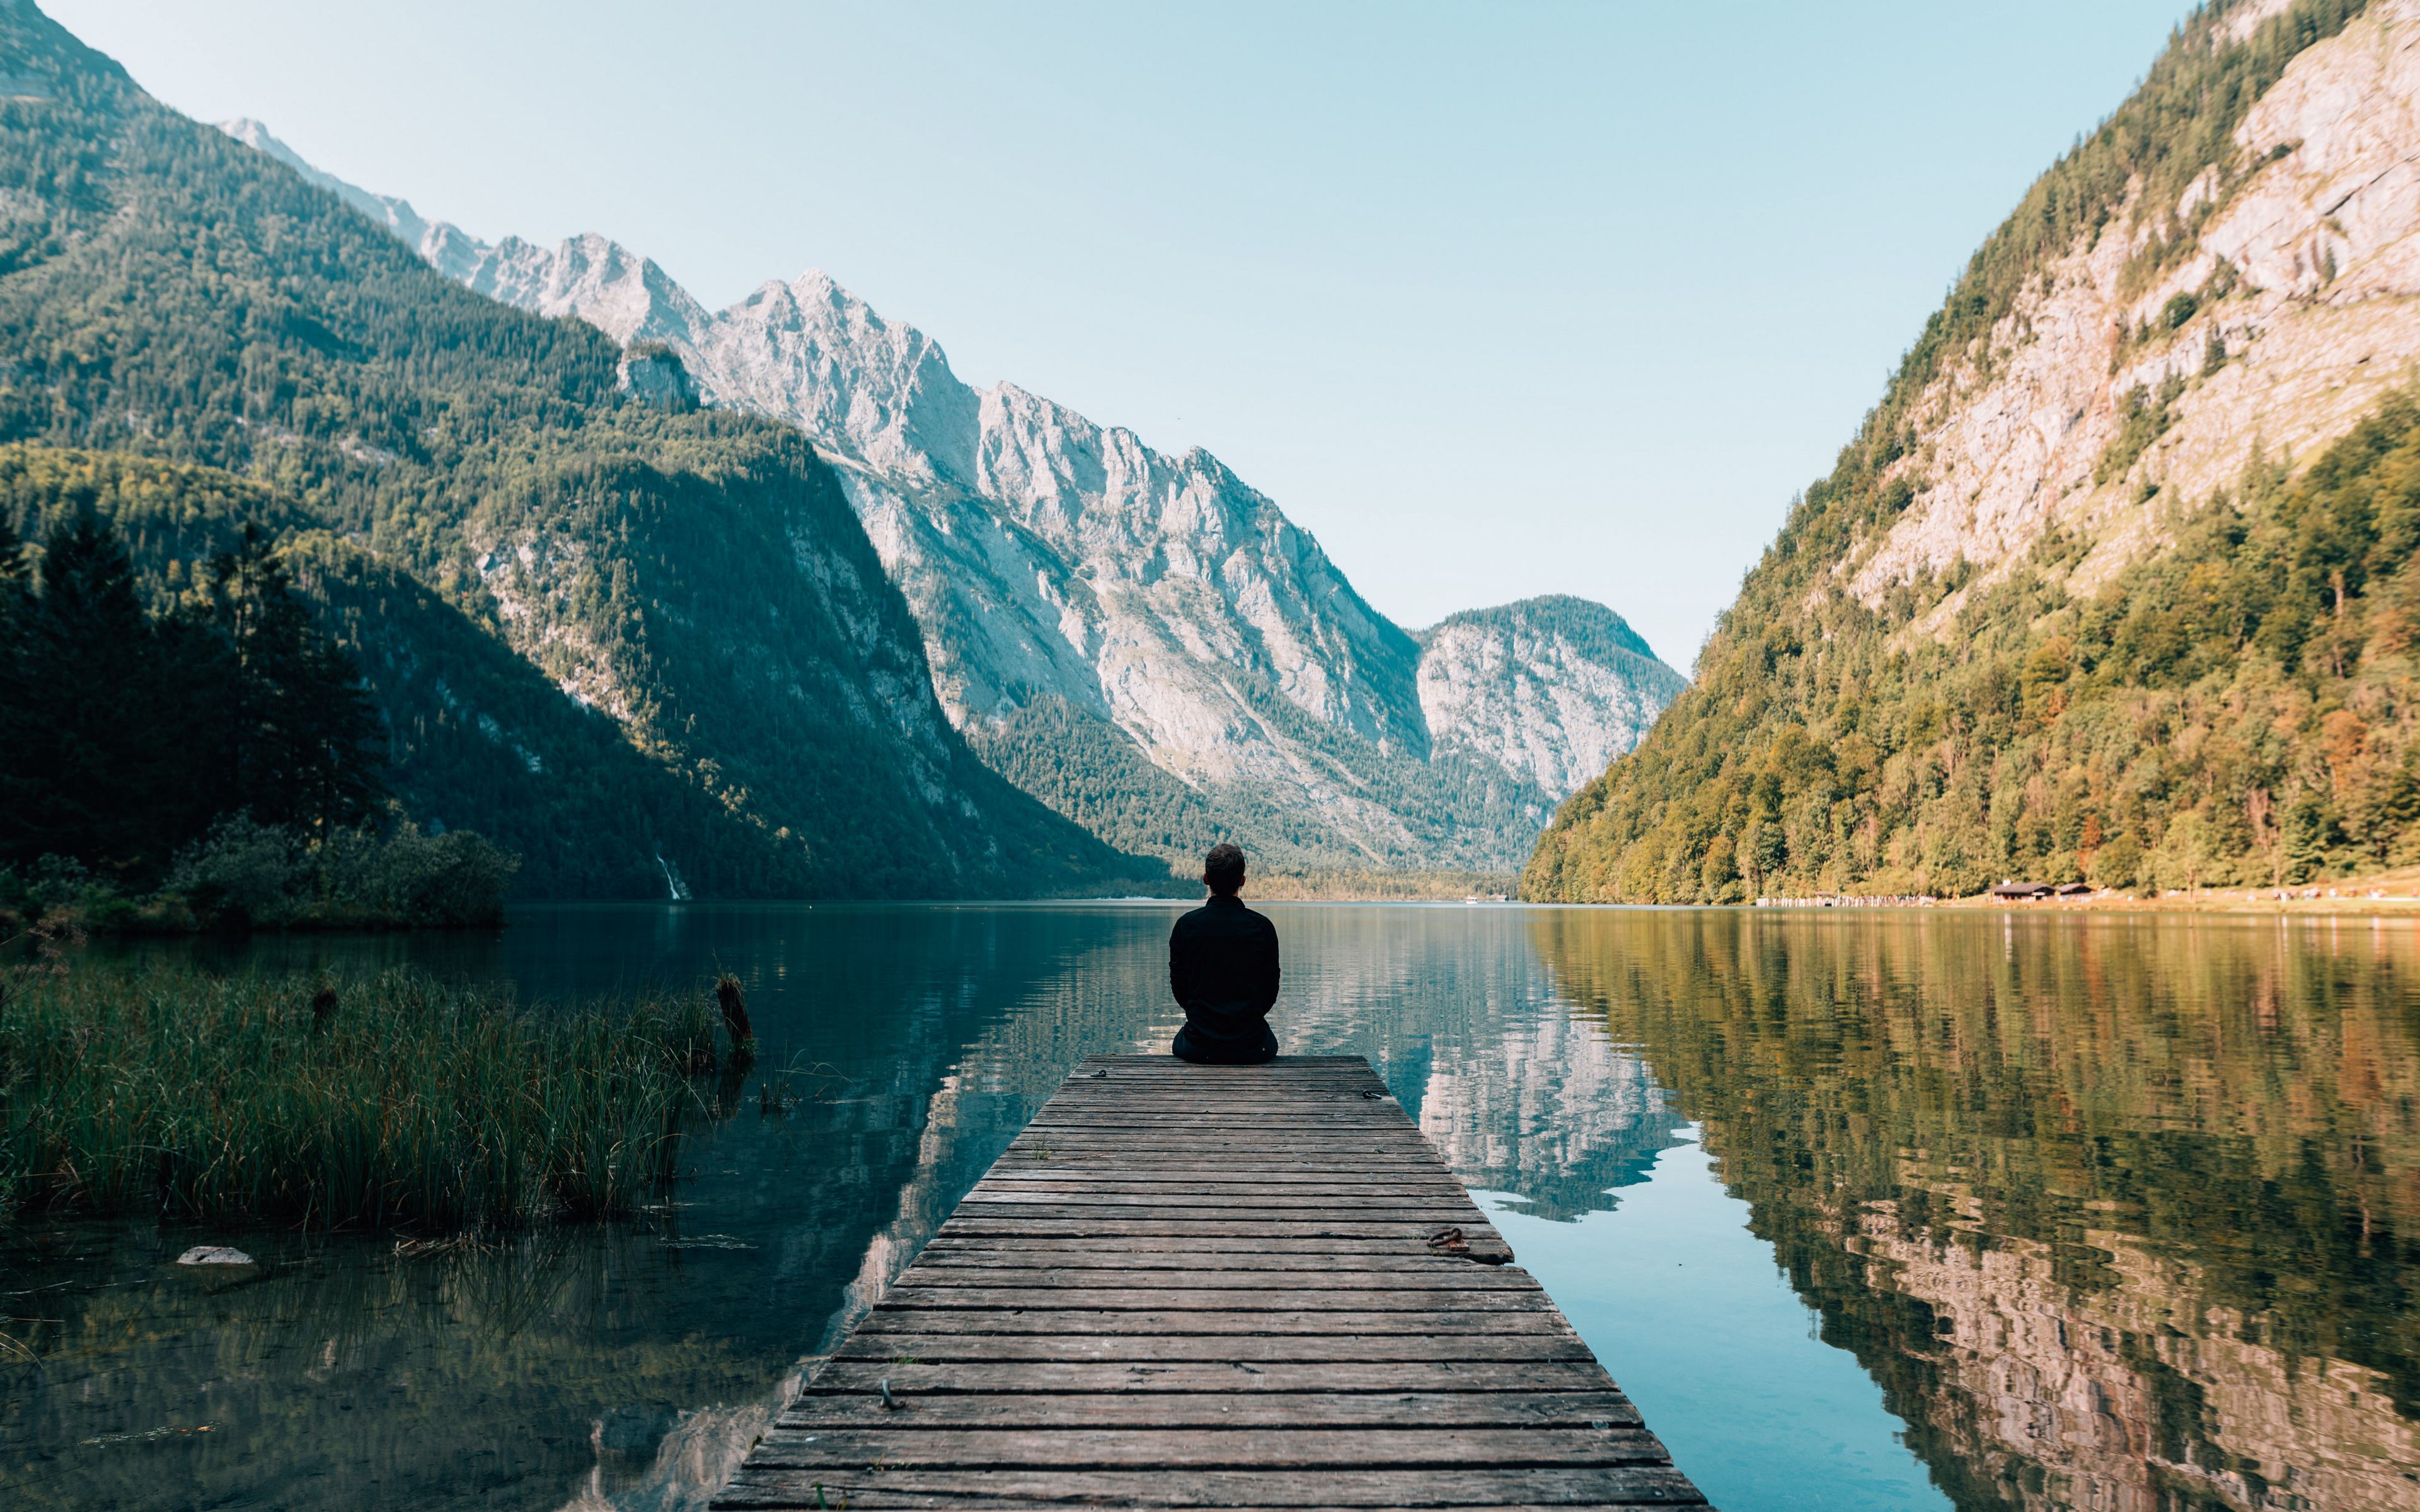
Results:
[1554, 688]
[1057, 564]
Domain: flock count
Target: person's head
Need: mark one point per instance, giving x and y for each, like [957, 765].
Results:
[1222, 870]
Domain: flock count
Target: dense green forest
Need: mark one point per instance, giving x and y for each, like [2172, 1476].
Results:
[2234, 709]
[194, 751]
[648, 647]
[125, 733]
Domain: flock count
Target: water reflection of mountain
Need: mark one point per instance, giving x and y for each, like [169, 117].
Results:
[1548, 1109]
[2121, 1214]
[1455, 1010]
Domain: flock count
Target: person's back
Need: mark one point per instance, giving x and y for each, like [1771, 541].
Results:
[1222, 967]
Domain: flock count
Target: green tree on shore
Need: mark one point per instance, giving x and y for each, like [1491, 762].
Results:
[304, 741]
[125, 733]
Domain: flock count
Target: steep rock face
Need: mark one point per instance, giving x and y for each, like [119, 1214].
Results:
[2285, 310]
[1046, 557]
[1554, 688]
[1065, 575]
[2119, 580]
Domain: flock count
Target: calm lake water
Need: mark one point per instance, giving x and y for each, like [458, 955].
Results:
[1871, 1211]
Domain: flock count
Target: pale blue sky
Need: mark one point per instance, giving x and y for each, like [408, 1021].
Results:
[1496, 300]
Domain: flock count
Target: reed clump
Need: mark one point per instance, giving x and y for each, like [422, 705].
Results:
[393, 1100]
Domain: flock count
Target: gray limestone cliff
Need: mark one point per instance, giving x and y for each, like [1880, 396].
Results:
[1139, 639]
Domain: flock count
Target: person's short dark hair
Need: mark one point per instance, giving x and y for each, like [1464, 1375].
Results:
[1223, 868]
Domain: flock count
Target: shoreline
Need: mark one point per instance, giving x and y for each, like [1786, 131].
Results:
[2209, 901]
[2394, 893]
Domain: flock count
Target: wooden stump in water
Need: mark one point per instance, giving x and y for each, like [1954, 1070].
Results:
[734, 1003]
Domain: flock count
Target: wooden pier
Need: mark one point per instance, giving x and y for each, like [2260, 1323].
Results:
[1210, 1286]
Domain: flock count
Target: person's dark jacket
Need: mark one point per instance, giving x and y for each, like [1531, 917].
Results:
[1222, 967]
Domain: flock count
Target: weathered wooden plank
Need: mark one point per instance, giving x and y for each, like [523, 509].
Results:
[1209, 1147]
[1262, 1161]
[1203, 1153]
[1182, 1221]
[972, 1490]
[1003, 1196]
[1306, 1107]
[957, 1502]
[1160, 1173]
[1443, 1447]
[1243, 1088]
[1196, 1287]
[1218, 1254]
[1184, 1164]
[1311, 1091]
[1160, 1146]
[1274, 1093]
[1250, 1349]
[1185, 1156]
[1241, 1212]
[1127, 1065]
[1190, 1155]
[1212, 1147]
[1158, 1380]
[1175, 1167]
[1410, 1208]
[1348, 1115]
[1500, 1408]
[1299, 1273]
[928, 1321]
[1381, 1191]
[1414, 1235]
[921, 1298]
[1040, 1179]
[1219, 1249]
[1199, 1132]
[1215, 1111]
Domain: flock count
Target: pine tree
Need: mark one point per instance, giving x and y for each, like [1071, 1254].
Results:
[305, 745]
[110, 763]
[15, 605]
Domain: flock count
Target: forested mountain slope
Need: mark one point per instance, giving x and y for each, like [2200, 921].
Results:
[1139, 639]
[650, 646]
[2116, 581]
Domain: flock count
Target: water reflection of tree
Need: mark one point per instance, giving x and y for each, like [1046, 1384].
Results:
[2120, 1214]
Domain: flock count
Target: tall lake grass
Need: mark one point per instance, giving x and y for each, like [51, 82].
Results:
[391, 1099]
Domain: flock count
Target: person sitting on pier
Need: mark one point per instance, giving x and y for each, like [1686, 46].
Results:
[1222, 965]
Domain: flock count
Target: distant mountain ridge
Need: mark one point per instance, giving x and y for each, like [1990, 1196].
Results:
[1206, 664]
[1554, 688]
